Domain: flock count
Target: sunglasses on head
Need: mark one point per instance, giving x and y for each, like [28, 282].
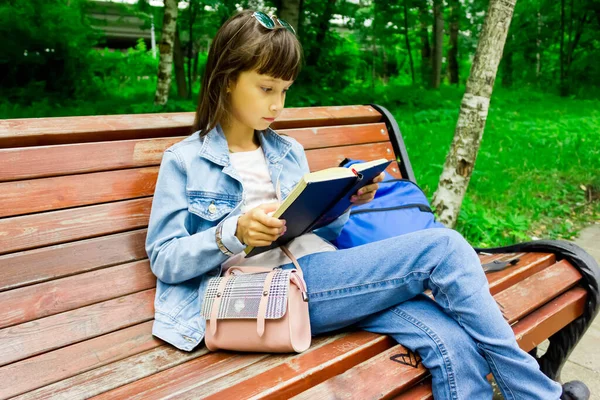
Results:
[271, 22]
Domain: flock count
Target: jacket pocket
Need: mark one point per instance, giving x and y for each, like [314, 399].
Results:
[209, 205]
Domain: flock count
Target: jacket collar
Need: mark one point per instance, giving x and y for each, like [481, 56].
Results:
[214, 146]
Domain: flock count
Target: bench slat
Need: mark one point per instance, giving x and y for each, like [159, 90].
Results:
[41, 370]
[31, 231]
[527, 295]
[529, 264]
[392, 377]
[422, 391]
[99, 380]
[143, 367]
[331, 157]
[35, 337]
[46, 161]
[48, 131]
[295, 373]
[68, 259]
[100, 187]
[49, 298]
[57, 193]
[376, 378]
[549, 319]
[341, 135]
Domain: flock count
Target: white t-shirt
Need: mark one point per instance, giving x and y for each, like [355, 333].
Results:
[254, 172]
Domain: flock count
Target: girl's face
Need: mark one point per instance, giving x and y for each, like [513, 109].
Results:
[257, 100]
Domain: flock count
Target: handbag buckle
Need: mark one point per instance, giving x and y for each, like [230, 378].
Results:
[304, 297]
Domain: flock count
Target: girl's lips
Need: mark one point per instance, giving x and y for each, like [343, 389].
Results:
[270, 119]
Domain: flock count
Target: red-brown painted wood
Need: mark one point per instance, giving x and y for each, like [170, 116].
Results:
[331, 157]
[528, 265]
[35, 337]
[69, 361]
[62, 130]
[53, 297]
[538, 326]
[44, 161]
[39, 265]
[378, 377]
[37, 230]
[130, 369]
[527, 295]
[299, 372]
[57, 193]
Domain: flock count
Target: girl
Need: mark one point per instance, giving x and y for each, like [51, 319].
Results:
[213, 197]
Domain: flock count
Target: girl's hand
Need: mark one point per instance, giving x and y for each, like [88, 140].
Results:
[367, 193]
[257, 227]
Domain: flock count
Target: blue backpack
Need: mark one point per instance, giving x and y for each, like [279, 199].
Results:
[399, 207]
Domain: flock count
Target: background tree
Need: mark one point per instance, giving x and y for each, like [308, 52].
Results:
[453, 50]
[167, 41]
[473, 113]
[438, 40]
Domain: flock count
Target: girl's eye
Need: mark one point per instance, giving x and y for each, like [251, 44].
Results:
[266, 89]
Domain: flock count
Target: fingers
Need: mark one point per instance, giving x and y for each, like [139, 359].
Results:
[256, 238]
[263, 216]
[379, 178]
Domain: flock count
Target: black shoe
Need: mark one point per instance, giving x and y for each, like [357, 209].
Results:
[575, 390]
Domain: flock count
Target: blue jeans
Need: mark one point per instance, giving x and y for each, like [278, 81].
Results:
[461, 336]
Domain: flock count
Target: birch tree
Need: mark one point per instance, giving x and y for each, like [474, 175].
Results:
[290, 12]
[165, 46]
[460, 161]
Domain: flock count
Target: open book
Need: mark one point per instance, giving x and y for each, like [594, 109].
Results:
[319, 198]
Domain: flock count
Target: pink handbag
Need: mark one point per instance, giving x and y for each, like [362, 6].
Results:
[258, 309]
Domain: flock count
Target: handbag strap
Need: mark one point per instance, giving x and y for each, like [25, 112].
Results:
[214, 312]
[291, 257]
[262, 307]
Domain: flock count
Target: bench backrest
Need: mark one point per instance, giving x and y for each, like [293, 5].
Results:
[75, 198]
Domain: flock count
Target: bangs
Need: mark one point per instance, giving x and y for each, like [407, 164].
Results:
[278, 55]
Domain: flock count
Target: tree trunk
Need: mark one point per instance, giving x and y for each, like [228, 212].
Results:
[538, 48]
[425, 47]
[460, 161]
[179, 67]
[507, 63]
[453, 52]
[290, 12]
[561, 83]
[166, 53]
[410, 58]
[438, 38]
[193, 10]
[322, 29]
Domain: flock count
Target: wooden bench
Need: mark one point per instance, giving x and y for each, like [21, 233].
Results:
[76, 290]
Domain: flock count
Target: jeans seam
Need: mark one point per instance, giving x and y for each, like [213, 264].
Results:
[456, 315]
[496, 371]
[440, 345]
[395, 280]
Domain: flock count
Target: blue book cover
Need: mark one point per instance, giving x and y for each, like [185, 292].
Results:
[319, 198]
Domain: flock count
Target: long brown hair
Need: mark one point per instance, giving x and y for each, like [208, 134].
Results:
[243, 44]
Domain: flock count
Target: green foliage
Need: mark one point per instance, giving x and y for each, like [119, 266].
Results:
[537, 172]
[45, 48]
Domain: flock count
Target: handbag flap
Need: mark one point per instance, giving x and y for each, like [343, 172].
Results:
[242, 295]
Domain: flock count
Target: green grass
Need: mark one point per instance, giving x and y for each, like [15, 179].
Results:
[536, 168]
[538, 163]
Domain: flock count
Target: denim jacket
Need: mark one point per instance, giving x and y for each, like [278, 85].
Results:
[197, 192]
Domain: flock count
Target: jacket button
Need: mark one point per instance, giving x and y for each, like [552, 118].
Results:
[189, 339]
[212, 208]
